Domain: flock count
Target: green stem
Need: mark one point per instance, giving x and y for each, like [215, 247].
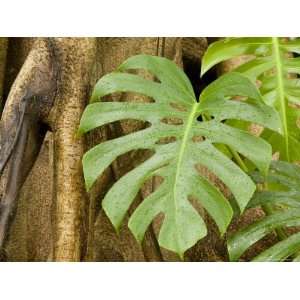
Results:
[235, 155]
[238, 159]
[281, 93]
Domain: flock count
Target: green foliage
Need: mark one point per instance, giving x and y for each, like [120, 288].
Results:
[175, 161]
[274, 68]
[282, 191]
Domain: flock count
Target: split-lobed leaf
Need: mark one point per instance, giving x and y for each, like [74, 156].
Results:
[274, 67]
[175, 162]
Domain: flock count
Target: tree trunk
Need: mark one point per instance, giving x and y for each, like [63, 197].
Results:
[45, 212]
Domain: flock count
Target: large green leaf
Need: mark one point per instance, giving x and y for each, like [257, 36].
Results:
[175, 162]
[274, 66]
[283, 192]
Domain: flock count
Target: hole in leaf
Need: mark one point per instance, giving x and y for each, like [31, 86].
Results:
[196, 203]
[127, 97]
[179, 107]
[211, 177]
[256, 129]
[275, 156]
[166, 140]
[239, 98]
[197, 138]
[172, 121]
[151, 185]
[144, 74]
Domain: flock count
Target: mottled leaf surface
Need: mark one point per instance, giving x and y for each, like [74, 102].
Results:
[175, 162]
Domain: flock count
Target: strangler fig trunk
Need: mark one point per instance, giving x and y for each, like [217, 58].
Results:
[45, 212]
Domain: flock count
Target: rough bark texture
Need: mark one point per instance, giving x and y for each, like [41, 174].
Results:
[3, 51]
[55, 219]
[29, 102]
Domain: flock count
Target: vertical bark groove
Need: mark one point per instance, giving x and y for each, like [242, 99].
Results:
[76, 58]
[3, 53]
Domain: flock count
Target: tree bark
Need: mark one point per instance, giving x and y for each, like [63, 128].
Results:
[47, 214]
[3, 51]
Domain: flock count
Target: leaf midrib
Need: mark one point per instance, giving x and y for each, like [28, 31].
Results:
[279, 75]
[183, 146]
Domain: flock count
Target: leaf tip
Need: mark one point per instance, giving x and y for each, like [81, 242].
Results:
[203, 70]
[87, 180]
[181, 255]
[95, 96]
[233, 257]
[87, 186]
[79, 133]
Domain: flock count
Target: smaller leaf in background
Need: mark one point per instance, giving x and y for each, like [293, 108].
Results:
[283, 192]
[275, 68]
[231, 47]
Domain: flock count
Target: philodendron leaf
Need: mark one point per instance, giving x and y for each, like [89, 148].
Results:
[175, 162]
[275, 69]
[283, 192]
